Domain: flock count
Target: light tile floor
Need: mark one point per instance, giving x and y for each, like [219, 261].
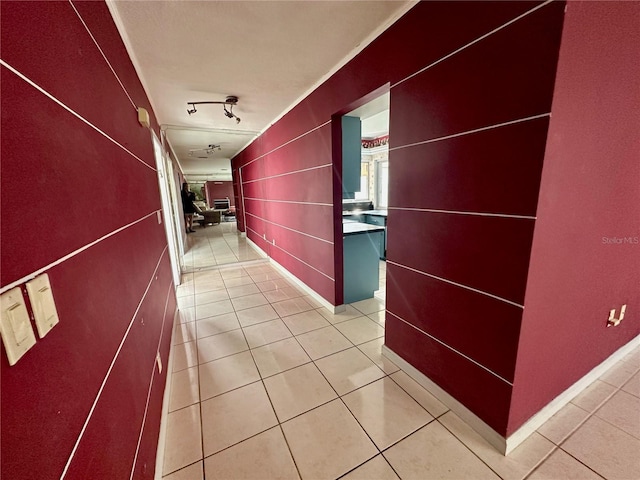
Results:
[267, 384]
[216, 245]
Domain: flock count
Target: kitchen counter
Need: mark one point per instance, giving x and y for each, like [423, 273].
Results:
[376, 213]
[355, 228]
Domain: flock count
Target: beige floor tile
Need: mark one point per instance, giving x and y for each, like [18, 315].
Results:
[515, 465]
[266, 332]
[186, 302]
[211, 297]
[348, 314]
[228, 373]
[249, 301]
[233, 272]
[560, 466]
[235, 416]
[184, 389]
[315, 303]
[273, 284]
[206, 275]
[279, 356]
[187, 315]
[221, 345]
[236, 282]
[298, 390]
[185, 289]
[605, 449]
[242, 290]
[348, 370]
[373, 350]
[593, 396]
[633, 385]
[291, 306]
[430, 403]
[259, 277]
[252, 316]
[563, 423]
[376, 468]
[281, 294]
[378, 317]
[623, 411]
[183, 440]
[184, 332]
[192, 472]
[360, 330]
[265, 456]
[213, 309]
[620, 373]
[208, 286]
[305, 322]
[386, 412]
[184, 356]
[218, 324]
[369, 306]
[434, 453]
[327, 442]
[322, 342]
[633, 357]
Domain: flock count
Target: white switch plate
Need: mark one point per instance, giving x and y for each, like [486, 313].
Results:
[42, 303]
[15, 326]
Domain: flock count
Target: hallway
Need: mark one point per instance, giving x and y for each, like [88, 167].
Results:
[268, 384]
[216, 245]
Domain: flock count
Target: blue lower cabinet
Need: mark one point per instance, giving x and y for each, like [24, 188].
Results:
[361, 265]
[380, 221]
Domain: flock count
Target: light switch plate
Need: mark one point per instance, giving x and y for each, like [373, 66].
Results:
[42, 303]
[15, 326]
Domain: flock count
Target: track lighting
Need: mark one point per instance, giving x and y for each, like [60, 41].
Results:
[230, 100]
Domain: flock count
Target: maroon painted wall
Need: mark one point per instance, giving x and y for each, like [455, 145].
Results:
[81, 395]
[463, 205]
[219, 190]
[590, 194]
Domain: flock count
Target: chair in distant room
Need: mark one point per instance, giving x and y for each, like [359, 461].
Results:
[210, 215]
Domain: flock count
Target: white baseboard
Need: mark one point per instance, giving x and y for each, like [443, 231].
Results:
[502, 444]
[488, 433]
[536, 421]
[162, 436]
[303, 286]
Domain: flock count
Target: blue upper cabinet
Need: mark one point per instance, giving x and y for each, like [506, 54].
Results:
[351, 155]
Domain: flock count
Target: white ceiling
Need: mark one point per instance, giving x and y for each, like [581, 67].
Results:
[270, 54]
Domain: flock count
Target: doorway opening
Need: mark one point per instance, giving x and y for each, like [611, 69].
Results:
[364, 145]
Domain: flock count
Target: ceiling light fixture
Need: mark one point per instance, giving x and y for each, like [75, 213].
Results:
[230, 101]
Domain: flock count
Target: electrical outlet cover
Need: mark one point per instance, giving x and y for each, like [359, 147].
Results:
[42, 303]
[15, 325]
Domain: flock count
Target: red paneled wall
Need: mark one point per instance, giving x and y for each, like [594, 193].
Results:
[219, 190]
[585, 258]
[471, 85]
[79, 202]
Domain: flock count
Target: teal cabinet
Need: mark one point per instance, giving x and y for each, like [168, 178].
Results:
[381, 221]
[361, 264]
[351, 155]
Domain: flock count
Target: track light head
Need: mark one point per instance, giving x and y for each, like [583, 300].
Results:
[192, 110]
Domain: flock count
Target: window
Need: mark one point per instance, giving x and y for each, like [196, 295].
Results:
[363, 194]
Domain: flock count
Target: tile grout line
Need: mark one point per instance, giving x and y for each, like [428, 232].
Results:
[558, 446]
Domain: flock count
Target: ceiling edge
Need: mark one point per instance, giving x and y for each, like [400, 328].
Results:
[111, 5]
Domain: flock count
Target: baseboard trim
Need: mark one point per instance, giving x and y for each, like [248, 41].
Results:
[500, 443]
[536, 421]
[488, 433]
[303, 286]
[162, 436]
